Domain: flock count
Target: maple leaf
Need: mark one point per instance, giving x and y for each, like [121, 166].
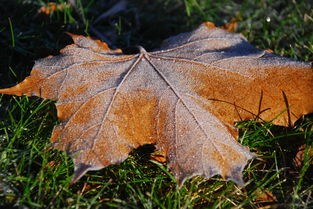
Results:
[184, 98]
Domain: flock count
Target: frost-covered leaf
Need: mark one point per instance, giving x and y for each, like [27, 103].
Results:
[184, 98]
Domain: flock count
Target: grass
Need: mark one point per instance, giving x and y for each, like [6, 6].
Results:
[32, 175]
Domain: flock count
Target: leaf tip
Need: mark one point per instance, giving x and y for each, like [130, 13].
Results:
[14, 90]
[181, 180]
[235, 173]
[92, 44]
[236, 176]
[209, 25]
[80, 170]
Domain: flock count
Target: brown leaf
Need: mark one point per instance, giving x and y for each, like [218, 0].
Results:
[184, 98]
[52, 7]
[265, 197]
[159, 157]
[300, 155]
[231, 26]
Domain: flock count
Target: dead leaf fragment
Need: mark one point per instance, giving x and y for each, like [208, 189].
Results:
[300, 155]
[265, 197]
[159, 157]
[231, 26]
[52, 7]
[184, 98]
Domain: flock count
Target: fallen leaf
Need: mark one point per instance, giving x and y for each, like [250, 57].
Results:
[300, 155]
[265, 197]
[184, 98]
[231, 26]
[159, 157]
[52, 7]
